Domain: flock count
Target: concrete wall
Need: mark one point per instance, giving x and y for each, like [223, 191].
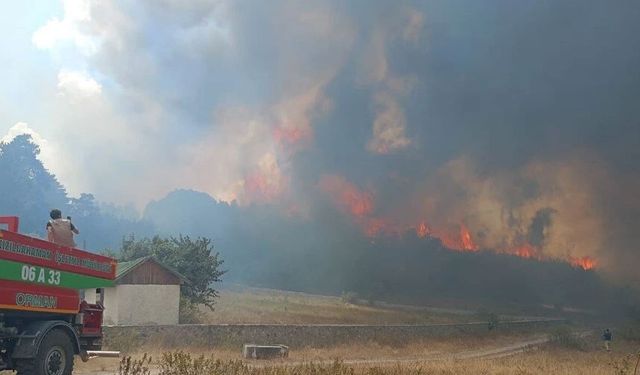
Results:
[295, 336]
[140, 304]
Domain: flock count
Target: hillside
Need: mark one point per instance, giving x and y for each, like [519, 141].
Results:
[245, 305]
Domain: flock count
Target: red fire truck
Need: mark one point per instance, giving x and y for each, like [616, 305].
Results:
[44, 320]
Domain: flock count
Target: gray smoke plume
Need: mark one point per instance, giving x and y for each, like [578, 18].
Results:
[506, 121]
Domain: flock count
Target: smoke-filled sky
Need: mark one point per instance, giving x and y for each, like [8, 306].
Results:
[512, 125]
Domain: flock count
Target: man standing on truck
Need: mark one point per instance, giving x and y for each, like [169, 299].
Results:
[61, 231]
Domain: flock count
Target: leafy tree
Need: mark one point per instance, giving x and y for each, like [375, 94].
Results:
[28, 189]
[100, 229]
[195, 259]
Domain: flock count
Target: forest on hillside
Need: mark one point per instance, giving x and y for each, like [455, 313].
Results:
[323, 253]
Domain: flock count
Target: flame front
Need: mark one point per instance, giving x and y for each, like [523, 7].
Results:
[422, 230]
[586, 262]
[360, 205]
[467, 241]
[456, 239]
[525, 250]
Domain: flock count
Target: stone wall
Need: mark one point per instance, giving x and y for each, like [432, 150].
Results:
[126, 338]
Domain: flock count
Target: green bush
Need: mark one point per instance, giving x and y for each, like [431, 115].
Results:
[195, 259]
[189, 312]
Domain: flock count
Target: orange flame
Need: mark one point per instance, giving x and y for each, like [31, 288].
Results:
[586, 262]
[463, 241]
[422, 230]
[525, 251]
[467, 241]
[456, 240]
[347, 196]
[360, 204]
[460, 241]
[449, 241]
[261, 187]
[375, 226]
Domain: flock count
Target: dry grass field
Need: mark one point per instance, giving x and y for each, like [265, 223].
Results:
[264, 306]
[549, 359]
[463, 354]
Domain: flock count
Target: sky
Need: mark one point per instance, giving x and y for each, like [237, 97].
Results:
[26, 69]
[163, 95]
[515, 121]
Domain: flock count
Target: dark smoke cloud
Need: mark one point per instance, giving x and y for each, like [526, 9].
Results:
[540, 223]
[537, 98]
[518, 119]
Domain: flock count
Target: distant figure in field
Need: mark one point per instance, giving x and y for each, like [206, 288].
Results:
[61, 231]
[607, 337]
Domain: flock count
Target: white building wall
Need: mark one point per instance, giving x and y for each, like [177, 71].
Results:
[111, 303]
[89, 295]
[145, 304]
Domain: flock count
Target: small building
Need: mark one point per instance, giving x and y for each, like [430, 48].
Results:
[146, 292]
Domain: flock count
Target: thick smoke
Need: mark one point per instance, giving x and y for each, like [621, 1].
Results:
[501, 125]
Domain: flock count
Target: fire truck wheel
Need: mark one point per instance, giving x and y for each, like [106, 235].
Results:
[55, 357]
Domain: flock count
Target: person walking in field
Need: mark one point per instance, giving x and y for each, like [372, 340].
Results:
[607, 337]
[61, 231]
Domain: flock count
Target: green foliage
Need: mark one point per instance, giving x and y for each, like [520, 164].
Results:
[189, 312]
[109, 253]
[194, 259]
[28, 188]
[30, 191]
